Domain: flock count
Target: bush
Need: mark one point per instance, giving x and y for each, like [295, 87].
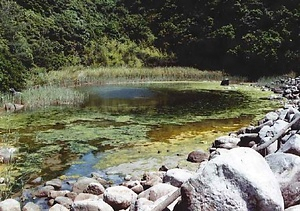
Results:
[112, 52]
[12, 73]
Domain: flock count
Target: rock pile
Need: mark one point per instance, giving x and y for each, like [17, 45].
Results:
[255, 168]
[288, 87]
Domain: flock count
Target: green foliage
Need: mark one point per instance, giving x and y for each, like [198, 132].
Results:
[112, 52]
[249, 38]
[12, 73]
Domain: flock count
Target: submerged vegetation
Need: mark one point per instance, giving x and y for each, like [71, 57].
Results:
[59, 126]
[53, 139]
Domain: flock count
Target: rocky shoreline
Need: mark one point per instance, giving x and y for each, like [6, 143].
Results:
[255, 168]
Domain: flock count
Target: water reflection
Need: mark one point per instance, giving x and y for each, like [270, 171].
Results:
[160, 101]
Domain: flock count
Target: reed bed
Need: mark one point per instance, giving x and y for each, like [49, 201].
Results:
[44, 96]
[73, 76]
[49, 96]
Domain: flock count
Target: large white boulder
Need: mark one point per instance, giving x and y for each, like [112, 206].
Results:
[286, 168]
[119, 197]
[10, 205]
[240, 179]
[86, 205]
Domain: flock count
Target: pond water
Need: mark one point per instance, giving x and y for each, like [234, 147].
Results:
[134, 124]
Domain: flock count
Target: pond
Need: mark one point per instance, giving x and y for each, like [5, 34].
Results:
[121, 129]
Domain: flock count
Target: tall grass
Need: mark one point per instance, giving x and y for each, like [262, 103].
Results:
[50, 95]
[44, 96]
[77, 75]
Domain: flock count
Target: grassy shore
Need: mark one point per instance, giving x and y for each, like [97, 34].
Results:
[55, 87]
[73, 76]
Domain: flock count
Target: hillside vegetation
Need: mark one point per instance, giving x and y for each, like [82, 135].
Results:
[249, 38]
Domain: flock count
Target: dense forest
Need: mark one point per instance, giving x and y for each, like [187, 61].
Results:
[248, 38]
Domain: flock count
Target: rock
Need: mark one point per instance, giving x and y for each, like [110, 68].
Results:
[279, 125]
[292, 145]
[142, 204]
[44, 191]
[240, 179]
[53, 194]
[225, 82]
[197, 156]
[214, 154]
[98, 177]
[56, 183]
[272, 116]
[157, 191]
[152, 178]
[30, 206]
[7, 155]
[163, 168]
[119, 197]
[37, 180]
[271, 148]
[248, 139]
[94, 188]
[86, 196]
[10, 205]
[51, 202]
[130, 184]
[283, 113]
[65, 201]
[13, 107]
[90, 205]
[286, 168]
[296, 126]
[256, 129]
[227, 142]
[177, 177]
[127, 177]
[293, 208]
[137, 189]
[71, 195]
[58, 207]
[82, 184]
[2, 180]
[134, 185]
[163, 198]
[266, 131]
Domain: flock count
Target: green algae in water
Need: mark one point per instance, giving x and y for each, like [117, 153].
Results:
[155, 121]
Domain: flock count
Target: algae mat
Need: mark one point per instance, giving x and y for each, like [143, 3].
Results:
[126, 128]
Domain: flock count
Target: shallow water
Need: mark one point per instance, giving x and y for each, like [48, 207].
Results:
[117, 125]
